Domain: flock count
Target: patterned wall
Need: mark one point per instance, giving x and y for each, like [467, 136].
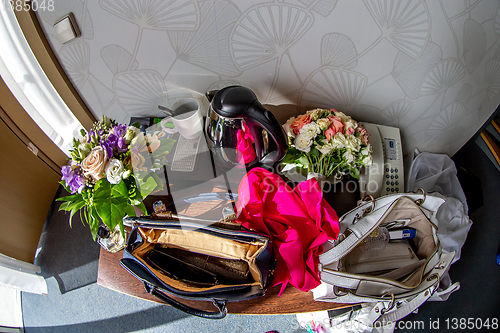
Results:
[432, 68]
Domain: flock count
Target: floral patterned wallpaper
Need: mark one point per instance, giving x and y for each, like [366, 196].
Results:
[431, 68]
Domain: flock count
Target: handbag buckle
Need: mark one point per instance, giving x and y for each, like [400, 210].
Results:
[391, 304]
[367, 210]
[420, 201]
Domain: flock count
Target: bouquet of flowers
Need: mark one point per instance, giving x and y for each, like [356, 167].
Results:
[106, 176]
[327, 142]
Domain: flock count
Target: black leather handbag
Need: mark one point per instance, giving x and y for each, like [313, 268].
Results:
[198, 262]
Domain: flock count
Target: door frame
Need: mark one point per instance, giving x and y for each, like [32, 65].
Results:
[15, 115]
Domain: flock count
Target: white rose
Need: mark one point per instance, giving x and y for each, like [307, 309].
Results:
[367, 161]
[351, 123]
[303, 143]
[323, 123]
[349, 157]
[114, 171]
[347, 120]
[339, 140]
[287, 127]
[310, 130]
[366, 150]
[315, 114]
[326, 148]
[353, 143]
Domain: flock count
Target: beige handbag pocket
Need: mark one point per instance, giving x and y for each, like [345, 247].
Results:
[395, 255]
[402, 261]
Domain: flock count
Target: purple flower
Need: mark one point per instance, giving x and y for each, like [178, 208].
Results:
[67, 173]
[74, 179]
[120, 130]
[108, 148]
[121, 146]
[112, 140]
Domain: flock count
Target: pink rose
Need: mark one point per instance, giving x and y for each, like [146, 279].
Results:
[336, 123]
[298, 123]
[93, 165]
[363, 134]
[349, 131]
[329, 133]
[336, 126]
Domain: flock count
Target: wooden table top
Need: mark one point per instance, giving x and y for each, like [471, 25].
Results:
[111, 275]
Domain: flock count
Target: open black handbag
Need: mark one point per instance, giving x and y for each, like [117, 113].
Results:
[198, 262]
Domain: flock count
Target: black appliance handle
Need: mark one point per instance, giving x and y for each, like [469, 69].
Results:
[258, 118]
[219, 304]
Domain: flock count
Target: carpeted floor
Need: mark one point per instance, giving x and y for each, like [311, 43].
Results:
[75, 303]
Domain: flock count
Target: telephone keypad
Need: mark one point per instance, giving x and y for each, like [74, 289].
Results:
[392, 180]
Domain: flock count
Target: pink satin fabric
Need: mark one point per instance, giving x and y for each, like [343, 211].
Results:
[245, 152]
[298, 221]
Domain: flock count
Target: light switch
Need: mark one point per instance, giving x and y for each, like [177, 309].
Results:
[66, 28]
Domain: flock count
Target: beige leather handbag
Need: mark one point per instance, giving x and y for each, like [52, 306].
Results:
[400, 276]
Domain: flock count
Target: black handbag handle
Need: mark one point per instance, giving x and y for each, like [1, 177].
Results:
[219, 304]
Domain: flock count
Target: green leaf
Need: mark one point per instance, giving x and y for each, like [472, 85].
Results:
[76, 207]
[73, 197]
[303, 160]
[142, 208]
[289, 157]
[67, 206]
[63, 183]
[93, 222]
[110, 202]
[314, 152]
[354, 172]
[129, 210]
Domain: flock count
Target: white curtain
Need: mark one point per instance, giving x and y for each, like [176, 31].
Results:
[21, 276]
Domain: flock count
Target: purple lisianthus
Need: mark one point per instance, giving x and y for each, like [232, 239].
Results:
[121, 145]
[120, 130]
[67, 173]
[112, 140]
[108, 148]
[74, 179]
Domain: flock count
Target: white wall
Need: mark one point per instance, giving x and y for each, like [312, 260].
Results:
[431, 68]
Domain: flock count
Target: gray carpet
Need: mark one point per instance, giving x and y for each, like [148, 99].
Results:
[75, 302]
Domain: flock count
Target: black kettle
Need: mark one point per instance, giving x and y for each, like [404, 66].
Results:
[240, 131]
